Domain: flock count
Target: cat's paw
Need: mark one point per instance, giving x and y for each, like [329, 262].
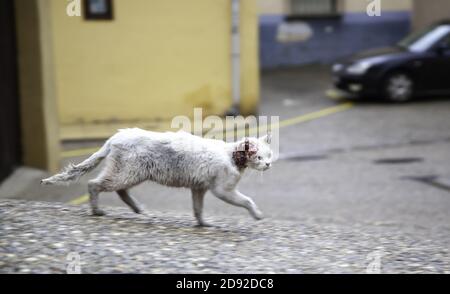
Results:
[142, 211]
[258, 215]
[204, 225]
[98, 212]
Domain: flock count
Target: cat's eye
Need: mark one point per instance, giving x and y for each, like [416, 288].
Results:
[259, 157]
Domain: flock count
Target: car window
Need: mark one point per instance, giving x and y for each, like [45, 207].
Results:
[445, 40]
[424, 40]
[414, 36]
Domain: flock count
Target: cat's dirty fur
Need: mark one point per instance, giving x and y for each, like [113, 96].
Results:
[172, 159]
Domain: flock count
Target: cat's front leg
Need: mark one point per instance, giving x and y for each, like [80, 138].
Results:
[197, 199]
[234, 197]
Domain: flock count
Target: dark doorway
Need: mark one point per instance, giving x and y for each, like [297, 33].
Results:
[9, 100]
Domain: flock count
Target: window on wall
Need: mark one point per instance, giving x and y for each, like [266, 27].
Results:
[313, 7]
[98, 9]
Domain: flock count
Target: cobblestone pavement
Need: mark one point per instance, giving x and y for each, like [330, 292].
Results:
[343, 195]
[36, 237]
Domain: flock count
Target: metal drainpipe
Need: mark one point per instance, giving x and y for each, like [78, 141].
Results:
[235, 59]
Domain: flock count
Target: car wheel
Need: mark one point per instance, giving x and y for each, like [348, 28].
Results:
[398, 87]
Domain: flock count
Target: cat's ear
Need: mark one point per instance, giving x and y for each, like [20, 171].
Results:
[267, 138]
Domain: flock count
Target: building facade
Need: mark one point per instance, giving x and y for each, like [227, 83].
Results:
[88, 67]
[427, 12]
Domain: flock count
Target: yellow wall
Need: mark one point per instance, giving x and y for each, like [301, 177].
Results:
[155, 60]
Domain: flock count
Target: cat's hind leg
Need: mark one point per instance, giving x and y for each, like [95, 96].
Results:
[130, 201]
[95, 187]
[236, 198]
[120, 173]
[109, 184]
[114, 177]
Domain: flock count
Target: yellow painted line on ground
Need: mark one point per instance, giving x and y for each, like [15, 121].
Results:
[80, 200]
[284, 123]
[315, 115]
[304, 117]
[334, 94]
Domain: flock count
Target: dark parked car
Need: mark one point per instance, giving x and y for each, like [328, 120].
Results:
[417, 65]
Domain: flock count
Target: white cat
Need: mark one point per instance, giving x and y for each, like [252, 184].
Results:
[172, 159]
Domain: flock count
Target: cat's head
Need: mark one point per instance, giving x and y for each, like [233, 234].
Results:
[254, 153]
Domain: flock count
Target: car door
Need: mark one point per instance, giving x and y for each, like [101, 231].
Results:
[431, 65]
[442, 67]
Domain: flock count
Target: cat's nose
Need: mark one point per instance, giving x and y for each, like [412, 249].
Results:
[268, 164]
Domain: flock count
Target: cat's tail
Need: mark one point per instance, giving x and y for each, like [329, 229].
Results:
[73, 172]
